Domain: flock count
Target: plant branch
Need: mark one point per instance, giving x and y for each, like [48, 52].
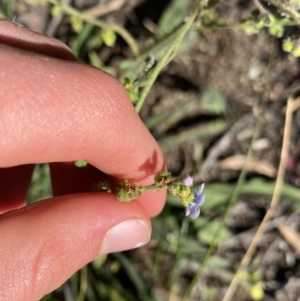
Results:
[260, 7]
[233, 198]
[85, 17]
[101, 10]
[292, 105]
[286, 8]
[168, 54]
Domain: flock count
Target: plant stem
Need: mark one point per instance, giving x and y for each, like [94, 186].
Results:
[234, 196]
[286, 8]
[292, 105]
[169, 53]
[114, 27]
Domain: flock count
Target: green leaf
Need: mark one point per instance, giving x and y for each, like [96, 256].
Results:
[94, 59]
[83, 39]
[190, 39]
[99, 262]
[56, 10]
[76, 23]
[205, 130]
[206, 233]
[213, 101]
[8, 9]
[217, 262]
[40, 187]
[172, 16]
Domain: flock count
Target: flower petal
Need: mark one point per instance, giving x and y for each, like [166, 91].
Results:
[194, 212]
[200, 189]
[188, 181]
[199, 199]
[187, 211]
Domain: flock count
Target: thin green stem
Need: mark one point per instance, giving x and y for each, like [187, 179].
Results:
[234, 196]
[286, 8]
[165, 186]
[181, 243]
[83, 284]
[168, 54]
[85, 17]
[151, 187]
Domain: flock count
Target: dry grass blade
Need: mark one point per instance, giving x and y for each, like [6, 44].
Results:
[102, 10]
[237, 162]
[291, 236]
[292, 105]
[220, 146]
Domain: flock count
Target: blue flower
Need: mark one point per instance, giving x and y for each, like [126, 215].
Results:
[193, 210]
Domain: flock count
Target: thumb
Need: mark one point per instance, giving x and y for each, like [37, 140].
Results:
[43, 244]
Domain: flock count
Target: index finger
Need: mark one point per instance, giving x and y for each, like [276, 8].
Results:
[54, 111]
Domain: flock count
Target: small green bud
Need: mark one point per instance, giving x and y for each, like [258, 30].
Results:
[291, 46]
[288, 46]
[257, 291]
[102, 186]
[76, 23]
[56, 10]
[296, 52]
[162, 178]
[81, 163]
[189, 199]
[124, 196]
[128, 192]
[249, 26]
[275, 27]
[184, 191]
[174, 188]
[261, 24]
[276, 30]
[131, 86]
[255, 276]
[109, 37]
[133, 95]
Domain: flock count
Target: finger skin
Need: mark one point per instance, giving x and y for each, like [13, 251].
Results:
[19, 177]
[81, 113]
[53, 109]
[54, 238]
[14, 35]
[18, 37]
[76, 180]
[14, 182]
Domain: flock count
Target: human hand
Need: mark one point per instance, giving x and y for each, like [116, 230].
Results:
[53, 109]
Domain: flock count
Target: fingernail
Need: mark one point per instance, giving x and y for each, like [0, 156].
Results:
[127, 235]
